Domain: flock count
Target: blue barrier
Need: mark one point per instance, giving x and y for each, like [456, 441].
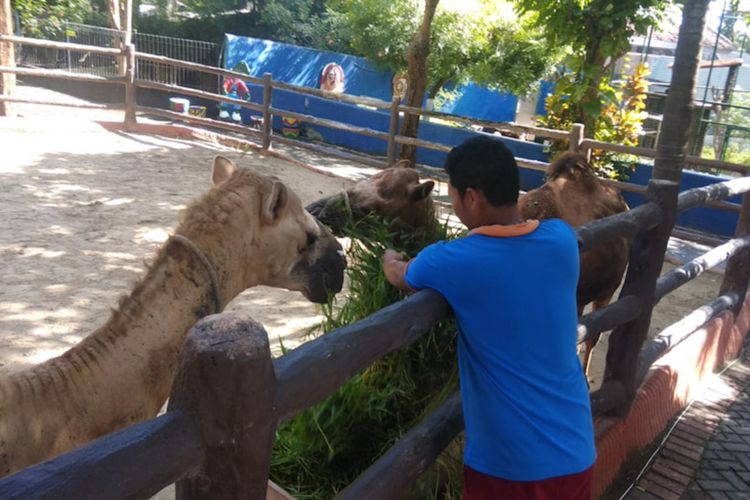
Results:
[709, 220]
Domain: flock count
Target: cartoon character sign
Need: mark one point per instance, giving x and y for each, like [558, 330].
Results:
[332, 78]
[399, 84]
[235, 88]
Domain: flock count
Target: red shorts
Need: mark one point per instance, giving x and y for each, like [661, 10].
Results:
[478, 486]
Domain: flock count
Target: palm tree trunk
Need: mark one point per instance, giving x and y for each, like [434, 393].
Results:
[670, 150]
[417, 77]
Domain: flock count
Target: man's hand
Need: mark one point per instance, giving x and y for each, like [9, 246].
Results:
[394, 265]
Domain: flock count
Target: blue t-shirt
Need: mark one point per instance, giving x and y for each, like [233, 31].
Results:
[525, 398]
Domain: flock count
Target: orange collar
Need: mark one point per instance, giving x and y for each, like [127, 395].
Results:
[498, 230]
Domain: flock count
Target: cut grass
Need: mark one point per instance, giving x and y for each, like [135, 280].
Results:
[323, 449]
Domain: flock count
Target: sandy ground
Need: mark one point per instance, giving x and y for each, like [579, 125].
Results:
[83, 208]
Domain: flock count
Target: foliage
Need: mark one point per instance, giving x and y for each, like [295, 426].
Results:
[619, 121]
[596, 34]
[326, 447]
[46, 19]
[481, 43]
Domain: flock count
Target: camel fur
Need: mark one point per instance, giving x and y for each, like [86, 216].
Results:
[395, 193]
[247, 230]
[576, 195]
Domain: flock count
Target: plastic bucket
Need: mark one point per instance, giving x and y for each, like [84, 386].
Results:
[179, 104]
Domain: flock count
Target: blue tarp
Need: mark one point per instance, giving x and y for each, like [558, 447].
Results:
[303, 66]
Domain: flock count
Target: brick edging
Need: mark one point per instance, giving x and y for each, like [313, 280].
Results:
[674, 380]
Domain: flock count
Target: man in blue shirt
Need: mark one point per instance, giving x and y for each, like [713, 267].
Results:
[512, 286]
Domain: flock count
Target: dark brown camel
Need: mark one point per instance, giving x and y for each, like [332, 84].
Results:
[576, 195]
[393, 193]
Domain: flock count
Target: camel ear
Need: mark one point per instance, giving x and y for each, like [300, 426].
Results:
[421, 191]
[223, 169]
[274, 203]
[402, 164]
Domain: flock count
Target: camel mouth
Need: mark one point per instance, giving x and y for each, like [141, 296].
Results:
[325, 276]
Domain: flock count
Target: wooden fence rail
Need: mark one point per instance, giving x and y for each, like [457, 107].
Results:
[229, 395]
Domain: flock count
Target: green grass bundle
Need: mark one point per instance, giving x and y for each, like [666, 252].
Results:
[325, 448]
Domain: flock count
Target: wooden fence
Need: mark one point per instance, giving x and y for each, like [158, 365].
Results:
[222, 419]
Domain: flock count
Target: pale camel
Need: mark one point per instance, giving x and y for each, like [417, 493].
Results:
[247, 230]
[576, 195]
[394, 193]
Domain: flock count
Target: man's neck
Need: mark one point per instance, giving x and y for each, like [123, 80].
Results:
[504, 216]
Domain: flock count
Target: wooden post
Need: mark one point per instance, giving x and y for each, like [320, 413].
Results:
[226, 382]
[267, 118]
[646, 259]
[393, 130]
[576, 136]
[130, 100]
[127, 21]
[7, 58]
[737, 272]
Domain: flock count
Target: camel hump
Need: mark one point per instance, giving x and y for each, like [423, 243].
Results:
[568, 164]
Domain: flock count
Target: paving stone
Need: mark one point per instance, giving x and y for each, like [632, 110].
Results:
[708, 474]
[717, 495]
[720, 464]
[658, 490]
[733, 478]
[665, 481]
[639, 494]
[677, 448]
[679, 458]
[689, 436]
[664, 462]
[744, 447]
[715, 485]
[683, 476]
[742, 458]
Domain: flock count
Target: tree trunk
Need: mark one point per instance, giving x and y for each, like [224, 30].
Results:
[7, 80]
[670, 149]
[417, 76]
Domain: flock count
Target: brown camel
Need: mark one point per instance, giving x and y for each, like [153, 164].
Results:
[247, 230]
[576, 195]
[393, 193]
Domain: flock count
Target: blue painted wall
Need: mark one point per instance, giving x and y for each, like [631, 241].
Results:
[290, 64]
[302, 66]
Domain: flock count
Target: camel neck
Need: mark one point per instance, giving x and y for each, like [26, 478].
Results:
[120, 374]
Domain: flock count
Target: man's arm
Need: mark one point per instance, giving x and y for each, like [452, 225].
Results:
[394, 266]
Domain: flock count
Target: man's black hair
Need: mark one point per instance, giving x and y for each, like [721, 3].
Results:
[484, 163]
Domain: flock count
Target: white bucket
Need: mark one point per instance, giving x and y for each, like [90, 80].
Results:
[179, 104]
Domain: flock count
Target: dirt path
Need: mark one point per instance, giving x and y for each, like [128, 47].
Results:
[83, 209]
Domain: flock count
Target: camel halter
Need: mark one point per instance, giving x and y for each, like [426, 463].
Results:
[207, 264]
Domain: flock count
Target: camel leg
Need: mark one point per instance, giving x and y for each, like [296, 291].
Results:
[591, 343]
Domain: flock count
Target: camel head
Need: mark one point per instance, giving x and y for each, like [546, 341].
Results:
[265, 237]
[393, 193]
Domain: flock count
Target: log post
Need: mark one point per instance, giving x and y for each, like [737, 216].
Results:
[267, 125]
[576, 137]
[130, 100]
[646, 259]
[225, 381]
[393, 130]
[737, 272]
[7, 58]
